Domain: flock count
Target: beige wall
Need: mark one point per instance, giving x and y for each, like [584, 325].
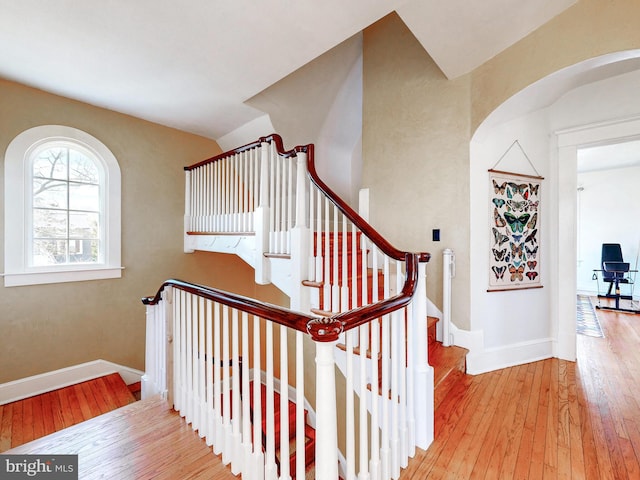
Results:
[43, 328]
[416, 153]
[588, 29]
[417, 125]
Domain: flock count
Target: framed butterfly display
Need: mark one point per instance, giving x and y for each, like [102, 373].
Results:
[514, 231]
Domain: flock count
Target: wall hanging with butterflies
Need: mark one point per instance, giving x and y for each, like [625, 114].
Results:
[515, 231]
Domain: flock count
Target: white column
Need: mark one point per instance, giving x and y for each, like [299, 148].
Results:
[423, 372]
[448, 272]
[326, 417]
[262, 220]
[187, 212]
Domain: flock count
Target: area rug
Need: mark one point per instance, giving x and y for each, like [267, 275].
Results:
[586, 319]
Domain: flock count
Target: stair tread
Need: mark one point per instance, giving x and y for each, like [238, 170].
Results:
[445, 360]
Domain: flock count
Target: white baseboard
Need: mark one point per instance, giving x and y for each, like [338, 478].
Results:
[47, 382]
[487, 360]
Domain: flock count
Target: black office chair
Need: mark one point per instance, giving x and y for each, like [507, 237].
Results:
[614, 272]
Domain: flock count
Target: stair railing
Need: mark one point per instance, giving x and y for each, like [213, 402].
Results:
[365, 297]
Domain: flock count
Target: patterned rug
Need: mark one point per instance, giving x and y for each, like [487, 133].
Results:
[586, 318]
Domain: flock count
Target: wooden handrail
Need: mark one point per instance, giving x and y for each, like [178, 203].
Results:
[351, 214]
[274, 137]
[355, 218]
[321, 329]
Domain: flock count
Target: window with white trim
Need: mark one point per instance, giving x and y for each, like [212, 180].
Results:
[62, 208]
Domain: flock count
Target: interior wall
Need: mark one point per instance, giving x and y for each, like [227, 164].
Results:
[525, 325]
[416, 154]
[588, 29]
[607, 201]
[321, 103]
[47, 327]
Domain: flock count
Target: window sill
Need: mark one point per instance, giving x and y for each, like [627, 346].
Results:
[61, 276]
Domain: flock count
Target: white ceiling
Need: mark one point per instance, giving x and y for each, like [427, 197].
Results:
[192, 65]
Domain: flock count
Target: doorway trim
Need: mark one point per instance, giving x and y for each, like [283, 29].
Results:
[564, 253]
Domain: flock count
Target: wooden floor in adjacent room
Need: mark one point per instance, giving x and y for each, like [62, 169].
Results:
[548, 419]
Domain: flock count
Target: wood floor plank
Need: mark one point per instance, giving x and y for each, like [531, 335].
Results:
[5, 427]
[576, 450]
[525, 449]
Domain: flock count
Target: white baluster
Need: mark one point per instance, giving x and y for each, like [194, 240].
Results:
[236, 459]
[189, 359]
[270, 453]
[246, 397]
[210, 368]
[227, 452]
[218, 444]
[350, 410]
[363, 437]
[202, 367]
[284, 406]
[258, 455]
[300, 416]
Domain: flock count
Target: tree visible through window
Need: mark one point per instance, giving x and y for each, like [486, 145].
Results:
[66, 217]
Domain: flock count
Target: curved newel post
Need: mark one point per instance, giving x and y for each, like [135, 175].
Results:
[423, 372]
[262, 219]
[326, 461]
[448, 269]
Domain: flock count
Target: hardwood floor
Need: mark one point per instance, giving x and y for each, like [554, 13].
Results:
[25, 420]
[548, 419]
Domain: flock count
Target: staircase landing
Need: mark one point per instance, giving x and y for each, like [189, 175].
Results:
[25, 420]
[146, 439]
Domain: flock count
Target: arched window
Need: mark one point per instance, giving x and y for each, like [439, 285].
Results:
[62, 208]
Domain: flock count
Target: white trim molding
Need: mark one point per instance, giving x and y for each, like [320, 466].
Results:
[49, 381]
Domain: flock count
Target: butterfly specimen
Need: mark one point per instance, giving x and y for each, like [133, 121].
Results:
[516, 250]
[499, 271]
[517, 205]
[516, 273]
[498, 202]
[517, 263]
[516, 238]
[531, 238]
[532, 275]
[521, 189]
[533, 221]
[532, 264]
[533, 206]
[500, 255]
[498, 219]
[516, 223]
[499, 189]
[531, 252]
[499, 238]
[534, 189]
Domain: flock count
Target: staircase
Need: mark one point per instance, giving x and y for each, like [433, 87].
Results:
[309, 431]
[357, 303]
